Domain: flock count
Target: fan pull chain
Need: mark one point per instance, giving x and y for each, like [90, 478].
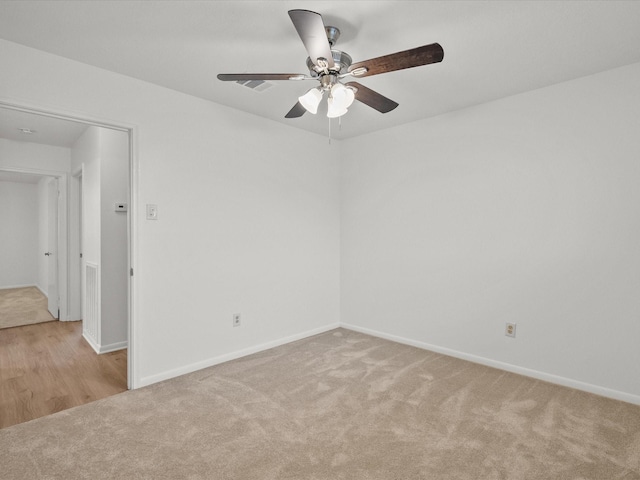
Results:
[339, 127]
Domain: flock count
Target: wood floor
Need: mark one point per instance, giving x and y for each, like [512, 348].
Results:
[49, 367]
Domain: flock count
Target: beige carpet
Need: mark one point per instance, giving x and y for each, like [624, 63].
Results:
[23, 306]
[340, 405]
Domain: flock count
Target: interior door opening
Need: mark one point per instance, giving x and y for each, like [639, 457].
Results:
[72, 220]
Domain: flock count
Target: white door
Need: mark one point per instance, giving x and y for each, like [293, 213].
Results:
[52, 250]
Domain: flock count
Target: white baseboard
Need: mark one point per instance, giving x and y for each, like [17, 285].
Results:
[113, 347]
[44, 292]
[99, 349]
[144, 381]
[9, 287]
[547, 377]
[95, 346]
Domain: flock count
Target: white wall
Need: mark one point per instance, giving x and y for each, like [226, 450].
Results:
[103, 155]
[248, 215]
[34, 157]
[114, 188]
[523, 210]
[18, 234]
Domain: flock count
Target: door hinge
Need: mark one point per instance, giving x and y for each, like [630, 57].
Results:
[131, 272]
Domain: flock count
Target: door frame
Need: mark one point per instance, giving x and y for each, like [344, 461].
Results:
[53, 247]
[76, 283]
[132, 231]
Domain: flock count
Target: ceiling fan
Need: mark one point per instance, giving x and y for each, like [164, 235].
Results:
[330, 66]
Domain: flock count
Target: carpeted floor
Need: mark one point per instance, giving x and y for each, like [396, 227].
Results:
[23, 306]
[341, 405]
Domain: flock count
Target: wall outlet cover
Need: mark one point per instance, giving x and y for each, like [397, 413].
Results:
[152, 212]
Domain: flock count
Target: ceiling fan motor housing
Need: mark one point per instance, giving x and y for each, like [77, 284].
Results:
[341, 60]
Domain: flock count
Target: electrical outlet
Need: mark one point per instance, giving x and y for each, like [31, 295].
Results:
[236, 319]
[152, 212]
[510, 330]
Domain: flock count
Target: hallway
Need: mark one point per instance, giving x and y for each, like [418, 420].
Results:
[23, 306]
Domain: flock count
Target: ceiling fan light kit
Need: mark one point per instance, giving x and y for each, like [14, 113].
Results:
[340, 99]
[329, 66]
[311, 100]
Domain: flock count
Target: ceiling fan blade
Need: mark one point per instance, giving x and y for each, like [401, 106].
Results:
[372, 98]
[234, 77]
[415, 57]
[297, 111]
[310, 27]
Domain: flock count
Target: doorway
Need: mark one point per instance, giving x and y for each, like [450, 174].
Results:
[69, 275]
[29, 255]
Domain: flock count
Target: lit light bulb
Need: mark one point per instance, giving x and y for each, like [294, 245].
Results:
[340, 100]
[334, 110]
[311, 100]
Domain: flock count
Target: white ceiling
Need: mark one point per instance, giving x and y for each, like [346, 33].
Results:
[493, 49]
[46, 130]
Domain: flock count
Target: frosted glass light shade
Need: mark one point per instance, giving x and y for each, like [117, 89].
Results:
[311, 100]
[343, 97]
[334, 109]
[340, 99]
